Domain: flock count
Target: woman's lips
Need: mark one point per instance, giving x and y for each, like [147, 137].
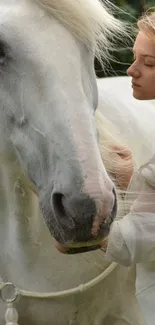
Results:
[134, 85]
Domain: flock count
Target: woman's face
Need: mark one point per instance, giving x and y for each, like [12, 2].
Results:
[142, 70]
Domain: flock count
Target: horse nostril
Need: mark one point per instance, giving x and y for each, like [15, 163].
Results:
[57, 200]
[61, 211]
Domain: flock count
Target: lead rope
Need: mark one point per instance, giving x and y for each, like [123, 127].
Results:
[10, 294]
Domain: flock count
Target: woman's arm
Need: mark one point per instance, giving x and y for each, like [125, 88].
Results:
[132, 239]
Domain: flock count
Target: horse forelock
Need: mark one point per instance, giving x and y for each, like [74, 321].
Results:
[92, 21]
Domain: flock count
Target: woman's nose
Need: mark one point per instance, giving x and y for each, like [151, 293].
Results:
[133, 71]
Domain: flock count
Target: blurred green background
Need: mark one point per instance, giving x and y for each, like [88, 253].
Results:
[132, 9]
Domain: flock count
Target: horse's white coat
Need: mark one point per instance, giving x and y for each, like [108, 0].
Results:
[48, 95]
[28, 258]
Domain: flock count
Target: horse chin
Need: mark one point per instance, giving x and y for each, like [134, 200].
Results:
[79, 249]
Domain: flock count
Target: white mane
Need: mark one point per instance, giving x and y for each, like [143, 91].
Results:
[90, 20]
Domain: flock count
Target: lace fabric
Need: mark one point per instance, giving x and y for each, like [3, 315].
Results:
[140, 197]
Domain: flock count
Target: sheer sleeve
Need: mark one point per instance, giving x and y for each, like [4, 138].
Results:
[132, 239]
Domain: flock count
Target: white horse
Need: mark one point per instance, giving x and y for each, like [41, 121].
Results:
[48, 144]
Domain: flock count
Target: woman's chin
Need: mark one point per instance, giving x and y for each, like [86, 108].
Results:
[138, 95]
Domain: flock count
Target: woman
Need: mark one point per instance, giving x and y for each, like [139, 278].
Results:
[132, 239]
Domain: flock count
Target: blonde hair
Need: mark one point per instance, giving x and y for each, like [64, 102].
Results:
[146, 23]
[108, 139]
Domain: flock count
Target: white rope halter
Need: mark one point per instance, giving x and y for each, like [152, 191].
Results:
[10, 293]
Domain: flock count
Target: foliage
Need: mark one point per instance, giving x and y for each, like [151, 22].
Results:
[150, 4]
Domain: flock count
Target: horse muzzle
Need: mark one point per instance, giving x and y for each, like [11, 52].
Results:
[78, 224]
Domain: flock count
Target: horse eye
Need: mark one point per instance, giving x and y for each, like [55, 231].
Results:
[2, 56]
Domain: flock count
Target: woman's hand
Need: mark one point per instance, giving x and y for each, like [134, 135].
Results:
[122, 165]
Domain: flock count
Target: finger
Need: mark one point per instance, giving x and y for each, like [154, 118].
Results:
[123, 152]
[120, 160]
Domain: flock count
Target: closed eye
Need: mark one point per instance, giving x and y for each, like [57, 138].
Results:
[149, 65]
